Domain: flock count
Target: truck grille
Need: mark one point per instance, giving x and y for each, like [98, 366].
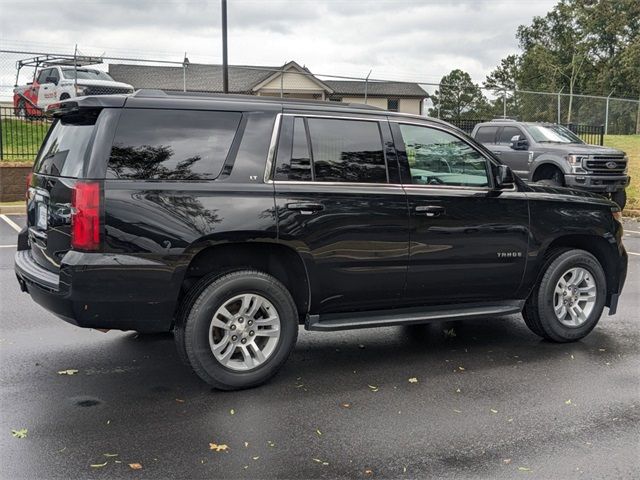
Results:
[606, 164]
[106, 90]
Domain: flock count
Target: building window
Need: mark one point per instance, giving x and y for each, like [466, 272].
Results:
[393, 104]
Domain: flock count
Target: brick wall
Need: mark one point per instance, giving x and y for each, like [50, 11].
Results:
[13, 181]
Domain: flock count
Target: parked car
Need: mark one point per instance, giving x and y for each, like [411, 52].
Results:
[56, 83]
[552, 155]
[232, 220]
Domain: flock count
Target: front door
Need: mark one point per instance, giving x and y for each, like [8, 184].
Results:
[340, 206]
[47, 88]
[468, 241]
[517, 160]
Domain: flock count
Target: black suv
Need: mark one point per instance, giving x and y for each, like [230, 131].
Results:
[232, 220]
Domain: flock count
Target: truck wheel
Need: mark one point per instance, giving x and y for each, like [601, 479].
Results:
[568, 302]
[556, 180]
[239, 330]
[620, 197]
[65, 96]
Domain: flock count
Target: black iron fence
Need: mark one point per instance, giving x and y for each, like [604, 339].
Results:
[592, 134]
[21, 135]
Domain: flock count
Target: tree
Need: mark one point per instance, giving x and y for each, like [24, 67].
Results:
[458, 98]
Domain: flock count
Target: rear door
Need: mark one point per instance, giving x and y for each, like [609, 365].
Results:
[340, 205]
[64, 158]
[468, 242]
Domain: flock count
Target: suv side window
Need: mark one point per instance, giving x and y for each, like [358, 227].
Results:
[507, 133]
[347, 150]
[299, 167]
[171, 144]
[437, 158]
[54, 74]
[486, 134]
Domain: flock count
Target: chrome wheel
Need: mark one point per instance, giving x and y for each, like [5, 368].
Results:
[244, 332]
[574, 297]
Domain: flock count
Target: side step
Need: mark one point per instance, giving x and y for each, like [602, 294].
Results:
[407, 316]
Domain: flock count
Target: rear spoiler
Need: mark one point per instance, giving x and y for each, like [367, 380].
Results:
[96, 102]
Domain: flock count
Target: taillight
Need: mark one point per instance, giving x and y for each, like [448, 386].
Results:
[26, 192]
[85, 217]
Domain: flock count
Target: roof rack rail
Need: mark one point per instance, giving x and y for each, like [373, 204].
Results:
[505, 119]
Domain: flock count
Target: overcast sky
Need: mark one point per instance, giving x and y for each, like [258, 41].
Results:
[399, 40]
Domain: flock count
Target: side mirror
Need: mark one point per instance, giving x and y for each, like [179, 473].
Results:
[518, 143]
[504, 178]
[53, 80]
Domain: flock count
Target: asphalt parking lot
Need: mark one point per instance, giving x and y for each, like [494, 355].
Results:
[462, 399]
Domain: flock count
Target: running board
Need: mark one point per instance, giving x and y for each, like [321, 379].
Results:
[407, 316]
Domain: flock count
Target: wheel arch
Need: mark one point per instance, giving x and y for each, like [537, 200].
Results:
[597, 246]
[280, 261]
[545, 164]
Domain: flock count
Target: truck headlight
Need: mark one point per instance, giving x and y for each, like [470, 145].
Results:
[80, 91]
[626, 164]
[576, 163]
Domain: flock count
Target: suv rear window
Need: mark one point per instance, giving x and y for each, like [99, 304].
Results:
[63, 151]
[171, 144]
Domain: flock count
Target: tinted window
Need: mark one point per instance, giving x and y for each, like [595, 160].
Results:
[63, 151]
[54, 74]
[171, 144]
[486, 134]
[507, 133]
[299, 167]
[439, 158]
[347, 151]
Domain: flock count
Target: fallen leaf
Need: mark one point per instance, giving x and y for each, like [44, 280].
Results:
[345, 405]
[461, 369]
[255, 458]
[567, 402]
[71, 371]
[449, 333]
[110, 454]
[218, 448]
[456, 410]
[373, 388]
[232, 411]
[98, 465]
[602, 349]
[458, 390]
[510, 420]
[135, 466]
[270, 443]
[572, 357]
[22, 433]
[404, 469]
[318, 431]
[246, 444]
[524, 469]
[368, 471]
[413, 380]
[506, 461]
[493, 410]
[179, 400]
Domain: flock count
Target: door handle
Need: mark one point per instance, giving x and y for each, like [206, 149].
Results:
[496, 153]
[430, 210]
[306, 208]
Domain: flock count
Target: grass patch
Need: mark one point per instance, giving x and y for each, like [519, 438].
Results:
[21, 139]
[630, 144]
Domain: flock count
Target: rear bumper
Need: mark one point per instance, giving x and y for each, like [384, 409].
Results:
[597, 183]
[103, 291]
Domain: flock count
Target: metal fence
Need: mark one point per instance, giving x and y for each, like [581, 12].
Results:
[591, 117]
[592, 134]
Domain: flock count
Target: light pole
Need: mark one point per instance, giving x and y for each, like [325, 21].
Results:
[225, 63]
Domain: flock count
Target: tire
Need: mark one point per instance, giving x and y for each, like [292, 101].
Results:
[65, 96]
[556, 180]
[197, 332]
[539, 313]
[620, 197]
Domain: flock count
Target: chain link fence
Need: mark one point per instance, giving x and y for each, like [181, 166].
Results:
[30, 81]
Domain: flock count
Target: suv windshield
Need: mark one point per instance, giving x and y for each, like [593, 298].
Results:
[85, 74]
[552, 134]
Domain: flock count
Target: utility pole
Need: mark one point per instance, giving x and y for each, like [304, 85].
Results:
[225, 62]
[606, 114]
[366, 86]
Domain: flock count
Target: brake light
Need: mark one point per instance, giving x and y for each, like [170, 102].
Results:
[85, 217]
[26, 192]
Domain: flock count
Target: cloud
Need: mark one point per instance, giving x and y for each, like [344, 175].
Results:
[399, 40]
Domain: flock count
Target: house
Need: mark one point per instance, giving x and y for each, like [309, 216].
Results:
[288, 80]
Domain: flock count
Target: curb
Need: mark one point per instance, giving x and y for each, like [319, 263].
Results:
[13, 209]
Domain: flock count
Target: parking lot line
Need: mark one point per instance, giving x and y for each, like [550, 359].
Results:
[10, 222]
[630, 231]
[633, 253]
[8, 246]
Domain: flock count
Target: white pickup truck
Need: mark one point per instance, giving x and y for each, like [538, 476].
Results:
[55, 83]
